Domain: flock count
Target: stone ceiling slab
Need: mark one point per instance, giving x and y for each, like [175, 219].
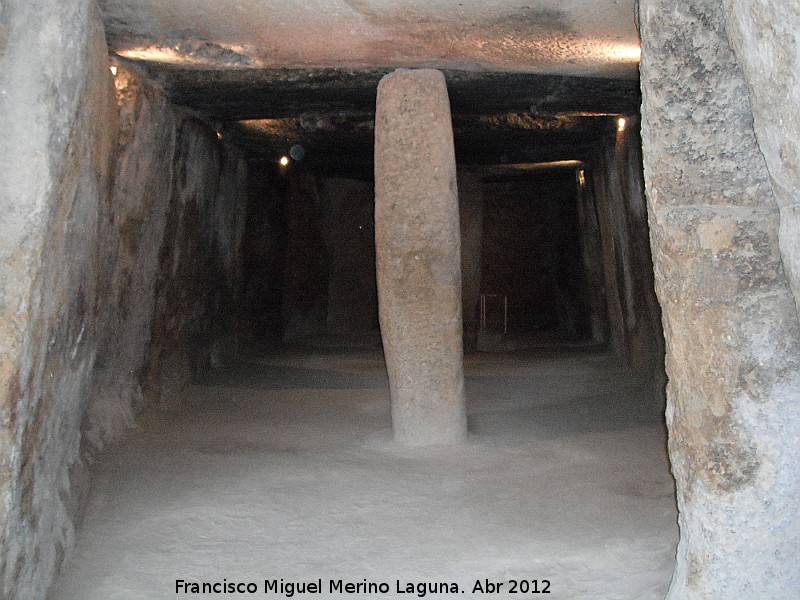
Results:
[567, 37]
[527, 80]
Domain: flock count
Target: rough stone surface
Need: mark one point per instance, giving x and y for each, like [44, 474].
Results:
[763, 34]
[615, 174]
[58, 121]
[522, 117]
[134, 219]
[591, 250]
[82, 253]
[417, 239]
[170, 240]
[729, 315]
[499, 35]
[194, 319]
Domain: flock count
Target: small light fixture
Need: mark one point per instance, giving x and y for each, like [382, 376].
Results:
[581, 178]
[114, 70]
[219, 134]
[284, 161]
[621, 124]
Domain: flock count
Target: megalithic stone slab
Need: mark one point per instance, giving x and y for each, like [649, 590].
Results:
[418, 260]
[470, 203]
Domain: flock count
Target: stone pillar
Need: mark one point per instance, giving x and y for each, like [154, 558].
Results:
[470, 200]
[732, 333]
[418, 243]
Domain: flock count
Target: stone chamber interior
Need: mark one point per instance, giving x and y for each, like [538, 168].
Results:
[193, 384]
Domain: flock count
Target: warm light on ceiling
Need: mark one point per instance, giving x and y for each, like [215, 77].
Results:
[284, 161]
[621, 124]
[178, 55]
[152, 53]
[626, 52]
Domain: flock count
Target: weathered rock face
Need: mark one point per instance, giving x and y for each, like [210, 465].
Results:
[615, 174]
[58, 121]
[763, 36]
[89, 275]
[417, 240]
[171, 238]
[194, 320]
[729, 315]
[591, 253]
[134, 223]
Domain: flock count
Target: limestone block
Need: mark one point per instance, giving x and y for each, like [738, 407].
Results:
[58, 120]
[417, 241]
[763, 34]
[731, 329]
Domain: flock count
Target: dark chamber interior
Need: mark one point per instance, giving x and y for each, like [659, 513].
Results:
[531, 254]
[309, 270]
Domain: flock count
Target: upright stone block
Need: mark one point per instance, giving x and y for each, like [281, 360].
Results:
[470, 201]
[730, 319]
[417, 240]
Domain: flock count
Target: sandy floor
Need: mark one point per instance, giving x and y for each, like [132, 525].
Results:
[283, 468]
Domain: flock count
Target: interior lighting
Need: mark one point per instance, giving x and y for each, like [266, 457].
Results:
[114, 70]
[625, 52]
[284, 161]
[621, 124]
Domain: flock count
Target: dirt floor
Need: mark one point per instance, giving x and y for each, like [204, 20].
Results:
[282, 468]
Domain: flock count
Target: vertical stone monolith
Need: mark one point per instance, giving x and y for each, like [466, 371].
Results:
[417, 240]
[730, 318]
[470, 202]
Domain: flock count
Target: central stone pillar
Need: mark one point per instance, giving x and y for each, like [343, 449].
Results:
[417, 241]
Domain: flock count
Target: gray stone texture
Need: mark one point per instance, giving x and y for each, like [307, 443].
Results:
[170, 242]
[729, 315]
[194, 319]
[92, 254]
[417, 239]
[134, 220]
[763, 35]
[633, 311]
[58, 121]
[591, 250]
